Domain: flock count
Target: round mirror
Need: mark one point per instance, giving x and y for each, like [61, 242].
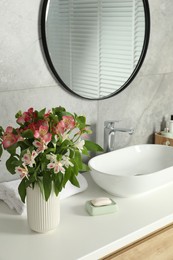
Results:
[95, 47]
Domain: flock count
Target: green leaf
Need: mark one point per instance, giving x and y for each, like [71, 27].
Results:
[43, 165]
[85, 151]
[58, 182]
[56, 189]
[81, 122]
[1, 131]
[74, 181]
[11, 164]
[41, 113]
[91, 146]
[22, 190]
[67, 176]
[47, 185]
[23, 145]
[64, 146]
[58, 111]
[78, 159]
[40, 184]
[18, 114]
[27, 134]
[1, 150]
[75, 168]
[12, 149]
[64, 113]
[85, 168]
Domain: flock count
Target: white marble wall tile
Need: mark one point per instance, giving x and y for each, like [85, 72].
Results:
[142, 106]
[12, 101]
[148, 99]
[159, 58]
[21, 61]
[24, 77]
[25, 80]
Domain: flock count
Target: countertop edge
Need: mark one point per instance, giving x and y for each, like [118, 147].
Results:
[129, 239]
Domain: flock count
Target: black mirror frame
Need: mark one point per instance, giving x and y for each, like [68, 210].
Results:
[129, 80]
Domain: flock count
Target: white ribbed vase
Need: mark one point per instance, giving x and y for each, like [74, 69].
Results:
[42, 215]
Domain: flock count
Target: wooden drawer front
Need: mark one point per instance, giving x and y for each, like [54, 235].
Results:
[158, 246]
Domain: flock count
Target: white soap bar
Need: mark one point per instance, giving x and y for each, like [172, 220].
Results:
[98, 202]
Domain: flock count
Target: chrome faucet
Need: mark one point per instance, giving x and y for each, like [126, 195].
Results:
[109, 134]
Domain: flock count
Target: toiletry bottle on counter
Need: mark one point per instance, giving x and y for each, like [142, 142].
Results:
[171, 125]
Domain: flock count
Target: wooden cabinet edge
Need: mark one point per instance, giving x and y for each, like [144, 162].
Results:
[125, 249]
[163, 140]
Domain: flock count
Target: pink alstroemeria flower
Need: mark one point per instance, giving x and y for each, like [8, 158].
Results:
[26, 116]
[65, 125]
[20, 120]
[69, 122]
[22, 171]
[41, 122]
[42, 133]
[60, 128]
[9, 129]
[47, 114]
[9, 138]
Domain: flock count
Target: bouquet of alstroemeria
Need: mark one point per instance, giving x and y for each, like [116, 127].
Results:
[46, 148]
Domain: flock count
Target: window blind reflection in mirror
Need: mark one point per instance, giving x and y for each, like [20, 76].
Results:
[95, 45]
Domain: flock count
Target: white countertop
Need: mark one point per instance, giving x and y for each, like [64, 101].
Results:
[84, 237]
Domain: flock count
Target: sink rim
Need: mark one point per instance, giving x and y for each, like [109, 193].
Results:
[130, 185]
[137, 147]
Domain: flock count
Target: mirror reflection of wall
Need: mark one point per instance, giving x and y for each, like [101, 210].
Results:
[95, 45]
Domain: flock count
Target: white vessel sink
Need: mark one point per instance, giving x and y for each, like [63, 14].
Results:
[133, 170]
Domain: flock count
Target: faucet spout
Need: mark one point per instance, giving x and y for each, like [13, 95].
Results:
[124, 130]
[109, 135]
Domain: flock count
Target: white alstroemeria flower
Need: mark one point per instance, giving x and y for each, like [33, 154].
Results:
[79, 145]
[57, 166]
[29, 158]
[52, 157]
[54, 164]
[66, 161]
[22, 171]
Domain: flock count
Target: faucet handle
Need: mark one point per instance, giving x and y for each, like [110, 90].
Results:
[110, 123]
